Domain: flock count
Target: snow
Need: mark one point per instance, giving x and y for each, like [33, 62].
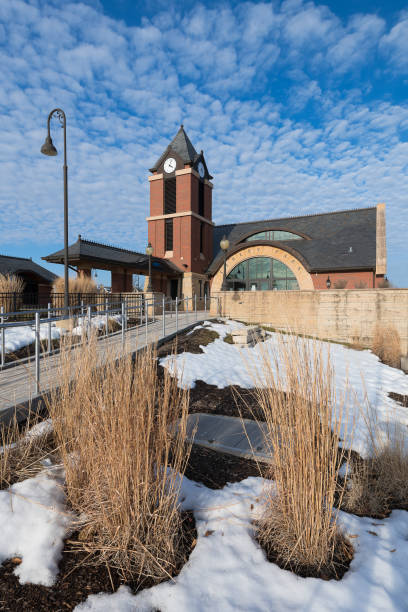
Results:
[34, 522]
[367, 379]
[98, 322]
[17, 337]
[228, 571]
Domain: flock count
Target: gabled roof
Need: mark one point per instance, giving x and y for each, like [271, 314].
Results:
[87, 250]
[16, 265]
[329, 237]
[181, 144]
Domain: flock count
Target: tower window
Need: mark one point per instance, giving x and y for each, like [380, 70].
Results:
[201, 237]
[170, 196]
[169, 234]
[201, 198]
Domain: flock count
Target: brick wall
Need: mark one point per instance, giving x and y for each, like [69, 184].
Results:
[342, 315]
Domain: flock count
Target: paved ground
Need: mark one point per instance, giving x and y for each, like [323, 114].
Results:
[18, 386]
[240, 437]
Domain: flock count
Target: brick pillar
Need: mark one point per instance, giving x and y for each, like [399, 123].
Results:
[121, 282]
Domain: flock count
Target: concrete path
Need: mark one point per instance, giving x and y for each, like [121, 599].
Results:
[18, 386]
[240, 437]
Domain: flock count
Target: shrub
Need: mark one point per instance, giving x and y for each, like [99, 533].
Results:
[383, 283]
[360, 285]
[387, 345]
[81, 284]
[11, 284]
[340, 283]
[299, 527]
[119, 427]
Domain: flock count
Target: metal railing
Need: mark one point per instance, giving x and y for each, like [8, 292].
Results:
[100, 316]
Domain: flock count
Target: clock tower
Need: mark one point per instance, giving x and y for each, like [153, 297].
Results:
[180, 226]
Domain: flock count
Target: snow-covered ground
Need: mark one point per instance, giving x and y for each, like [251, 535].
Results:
[361, 372]
[227, 570]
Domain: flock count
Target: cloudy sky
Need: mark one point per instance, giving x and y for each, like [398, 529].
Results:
[300, 108]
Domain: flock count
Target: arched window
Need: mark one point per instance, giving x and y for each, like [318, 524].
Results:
[274, 235]
[261, 274]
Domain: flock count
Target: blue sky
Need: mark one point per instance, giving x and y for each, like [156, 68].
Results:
[300, 108]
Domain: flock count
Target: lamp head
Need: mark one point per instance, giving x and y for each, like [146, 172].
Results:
[224, 244]
[48, 148]
[149, 249]
[328, 282]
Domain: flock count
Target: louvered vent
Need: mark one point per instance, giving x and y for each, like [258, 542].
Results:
[170, 196]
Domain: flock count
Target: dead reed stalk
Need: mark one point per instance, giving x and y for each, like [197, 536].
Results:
[387, 345]
[122, 434]
[299, 523]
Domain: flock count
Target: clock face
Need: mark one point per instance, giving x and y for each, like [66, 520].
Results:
[201, 170]
[170, 165]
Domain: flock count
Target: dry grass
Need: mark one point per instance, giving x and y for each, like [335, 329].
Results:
[299, 524]
[341, 283]
[82, 284]
[116, 426]
[23, 450]
[379, 483]
[387, 345]
[10, 284]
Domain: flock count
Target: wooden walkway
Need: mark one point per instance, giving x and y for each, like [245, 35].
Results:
[18, 385]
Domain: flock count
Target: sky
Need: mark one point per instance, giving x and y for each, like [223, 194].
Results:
[300, 107]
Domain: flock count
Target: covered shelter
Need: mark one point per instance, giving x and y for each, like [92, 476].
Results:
[37, 280]
[87, 255]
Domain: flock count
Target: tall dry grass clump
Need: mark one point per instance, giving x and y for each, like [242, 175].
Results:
[10, 283]
[387, 345]
[299, 527]
[81, 284]
[379, 483]
[23, 450]
[120, 429]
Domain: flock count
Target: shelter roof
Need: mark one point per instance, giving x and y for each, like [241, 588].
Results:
[19, 265]
[88, 251]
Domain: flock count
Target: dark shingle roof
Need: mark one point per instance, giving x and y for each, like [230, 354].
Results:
[88, 250]
[181, 145]
[19, 265]
[329, 237]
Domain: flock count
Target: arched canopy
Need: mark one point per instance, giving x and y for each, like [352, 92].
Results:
[274, 236]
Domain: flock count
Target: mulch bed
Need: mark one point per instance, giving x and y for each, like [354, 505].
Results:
[401, 399]
[76, 579]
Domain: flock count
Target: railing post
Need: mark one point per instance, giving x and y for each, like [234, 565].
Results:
[195, 306]
[146, 315]
[37, 352]
[49, 327]
[205, 302]
[106, 317]
[89, 321]
[123, 325]
[3, 337]
[176, 314]
[164, 316]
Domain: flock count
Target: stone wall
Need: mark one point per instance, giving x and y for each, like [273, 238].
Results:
[343, 315]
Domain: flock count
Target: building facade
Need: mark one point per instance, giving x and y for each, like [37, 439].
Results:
[342, 249]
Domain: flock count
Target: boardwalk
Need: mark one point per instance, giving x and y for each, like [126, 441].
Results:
[17, 384]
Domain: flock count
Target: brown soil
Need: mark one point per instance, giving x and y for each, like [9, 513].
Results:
[76, 580]
[189, 341]
[401, 399]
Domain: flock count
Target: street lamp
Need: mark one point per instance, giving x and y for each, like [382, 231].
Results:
[149, 252]
[224, 244]
[49, 150]
[328, 282]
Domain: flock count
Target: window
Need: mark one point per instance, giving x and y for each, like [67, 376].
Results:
[170, 196]
[202, 237]
[261, 274]
[169, 234]
[274, 235]
[201, 198]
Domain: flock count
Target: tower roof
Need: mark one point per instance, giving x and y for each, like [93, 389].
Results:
[181, 144]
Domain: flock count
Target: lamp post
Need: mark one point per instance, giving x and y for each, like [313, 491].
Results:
[328, 282]
[49, 149]
[149, 252]
[224, 244]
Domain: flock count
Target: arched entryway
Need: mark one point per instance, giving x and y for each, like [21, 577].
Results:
[263, 268]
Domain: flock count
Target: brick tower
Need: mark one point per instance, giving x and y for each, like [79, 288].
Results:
[179, 226]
